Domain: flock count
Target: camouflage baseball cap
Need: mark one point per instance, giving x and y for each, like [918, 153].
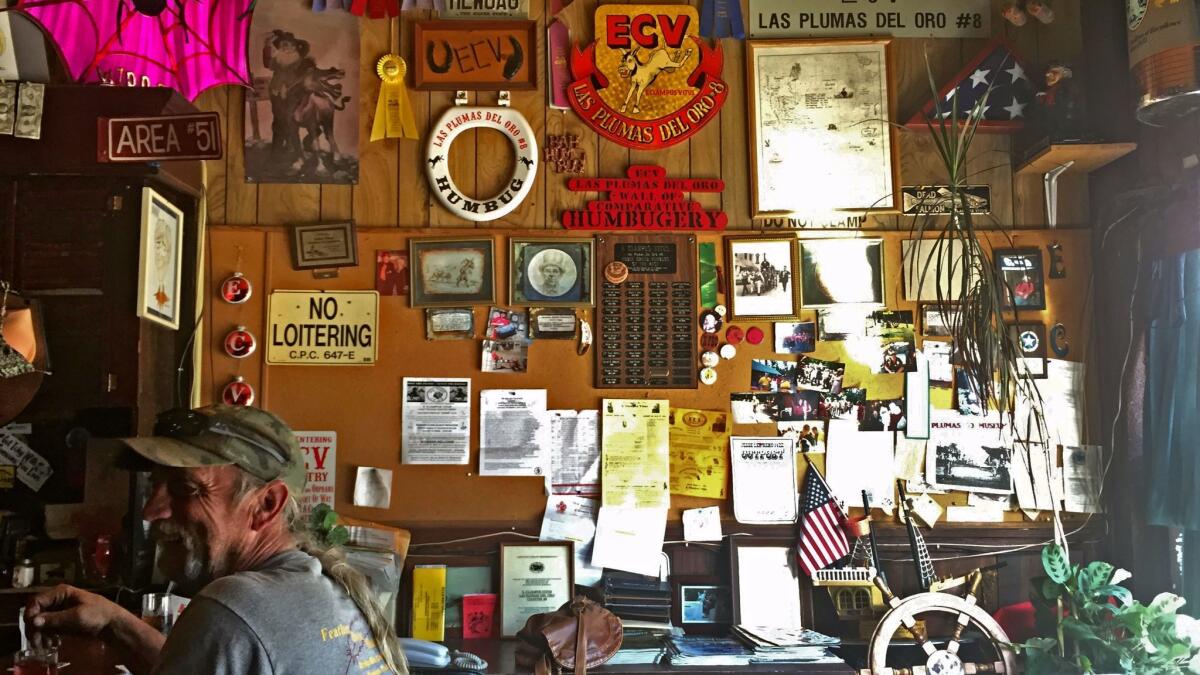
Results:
[254, 440]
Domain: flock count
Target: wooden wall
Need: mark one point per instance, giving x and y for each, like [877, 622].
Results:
[393, 192]
[392, 202]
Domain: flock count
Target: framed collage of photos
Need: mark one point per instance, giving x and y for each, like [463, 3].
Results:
[803, 115]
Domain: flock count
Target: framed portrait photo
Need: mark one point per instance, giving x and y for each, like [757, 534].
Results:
[841, 272]
[762, 277]
[535, 577]
[1024, 282]
[551, 272]
[449, 272]
[820, 133]
[701, 605]
[160, 261]
[324, 245]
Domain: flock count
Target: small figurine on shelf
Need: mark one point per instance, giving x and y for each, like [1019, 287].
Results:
[1060, 105]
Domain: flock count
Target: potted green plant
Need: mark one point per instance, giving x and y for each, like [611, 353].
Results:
[1092, 624]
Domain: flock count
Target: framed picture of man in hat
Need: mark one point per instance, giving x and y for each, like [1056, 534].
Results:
[551, 272]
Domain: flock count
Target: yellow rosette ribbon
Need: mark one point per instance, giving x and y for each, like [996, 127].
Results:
[393, 113]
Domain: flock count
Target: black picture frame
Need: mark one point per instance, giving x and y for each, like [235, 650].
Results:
[324, 245]
[1024, 277]
[691, 593]
[575, 258]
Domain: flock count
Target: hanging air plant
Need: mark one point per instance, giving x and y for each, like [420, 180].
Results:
[973, 305]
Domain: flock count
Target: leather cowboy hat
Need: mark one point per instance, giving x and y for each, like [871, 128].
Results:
[23, 355]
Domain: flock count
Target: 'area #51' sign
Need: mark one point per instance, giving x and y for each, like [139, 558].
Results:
[649, 81]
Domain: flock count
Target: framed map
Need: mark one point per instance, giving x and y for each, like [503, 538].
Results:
[820, 133]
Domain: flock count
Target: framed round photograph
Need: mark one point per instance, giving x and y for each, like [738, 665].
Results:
[550, 272]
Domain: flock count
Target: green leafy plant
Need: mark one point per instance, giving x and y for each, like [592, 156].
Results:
[324, 525]
[1098, 627]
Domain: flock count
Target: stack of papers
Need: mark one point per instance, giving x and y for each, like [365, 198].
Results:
[640, 647]
[787, 645]
[703, 650]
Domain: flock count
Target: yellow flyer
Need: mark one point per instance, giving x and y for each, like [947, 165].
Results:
[699, 452]
[634, 453]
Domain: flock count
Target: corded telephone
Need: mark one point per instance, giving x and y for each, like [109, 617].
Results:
[425, 655]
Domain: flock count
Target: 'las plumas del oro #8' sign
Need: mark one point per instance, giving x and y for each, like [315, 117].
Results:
[322, 328]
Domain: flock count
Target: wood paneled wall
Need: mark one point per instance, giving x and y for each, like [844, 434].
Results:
[392, 190]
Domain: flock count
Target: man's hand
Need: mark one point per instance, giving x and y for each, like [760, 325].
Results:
[66, 609]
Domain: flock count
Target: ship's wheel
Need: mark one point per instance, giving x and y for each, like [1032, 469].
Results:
[945, 660]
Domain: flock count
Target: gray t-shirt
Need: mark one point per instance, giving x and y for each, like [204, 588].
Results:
[285, 618]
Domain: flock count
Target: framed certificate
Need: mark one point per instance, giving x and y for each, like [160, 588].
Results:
[324, 245]
[535, 577]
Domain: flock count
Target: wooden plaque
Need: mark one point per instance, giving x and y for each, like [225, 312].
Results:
[475, 55]
[646, 315]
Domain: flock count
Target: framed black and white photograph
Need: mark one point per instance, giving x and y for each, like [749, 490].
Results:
[841, 271]
[324, 245]
[1024, 281]
[701, 604]
[448, 272]
[969, 467]
[551, 272]
[1030, 340]
[762, 277]
[160, 263]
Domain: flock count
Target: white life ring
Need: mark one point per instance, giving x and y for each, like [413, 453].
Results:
[508, 122]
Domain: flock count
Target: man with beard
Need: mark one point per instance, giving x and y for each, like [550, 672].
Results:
[266, 597]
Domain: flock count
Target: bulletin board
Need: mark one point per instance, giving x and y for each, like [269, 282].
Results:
[362, 403]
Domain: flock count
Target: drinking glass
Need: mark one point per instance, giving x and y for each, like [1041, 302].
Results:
[36, 661]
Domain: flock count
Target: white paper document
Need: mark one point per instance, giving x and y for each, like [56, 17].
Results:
[436, 421]
[32, 469]
[574, 453]
[916, 396]
[764, 479]
[1083, 474]
[570, 518]
[860, 460]
[702, 524]
[630, 539]
[1033, 470]
[514, 433]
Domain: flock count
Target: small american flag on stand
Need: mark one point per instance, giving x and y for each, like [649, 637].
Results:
[822, 540]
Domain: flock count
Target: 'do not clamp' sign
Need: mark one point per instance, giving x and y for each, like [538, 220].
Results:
[514, 127]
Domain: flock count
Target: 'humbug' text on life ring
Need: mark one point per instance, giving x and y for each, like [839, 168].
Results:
[514, 127]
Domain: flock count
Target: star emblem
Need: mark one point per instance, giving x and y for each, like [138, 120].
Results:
[1029, 341]
[1017, 72]
[979, 77]
[1017, 109]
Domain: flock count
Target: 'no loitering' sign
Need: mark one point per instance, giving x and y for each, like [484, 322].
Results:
[322, 328]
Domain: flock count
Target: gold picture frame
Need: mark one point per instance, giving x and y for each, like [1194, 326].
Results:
[759, 285]
[848, 134]
[572, 261]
